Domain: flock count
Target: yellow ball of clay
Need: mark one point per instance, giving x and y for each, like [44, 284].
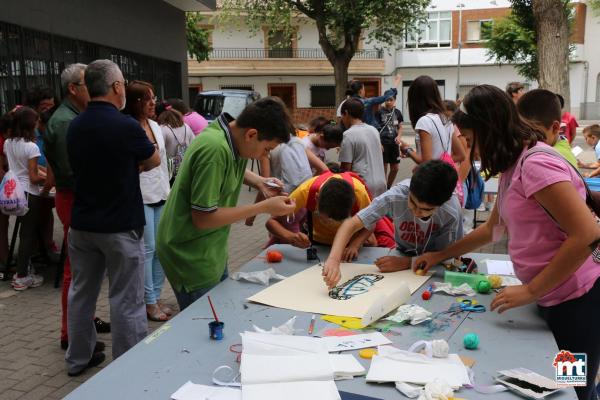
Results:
[495, 281]
[420, 272]
[367, 353]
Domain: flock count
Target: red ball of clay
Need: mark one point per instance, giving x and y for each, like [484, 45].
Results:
[426, 295]
[274, 256]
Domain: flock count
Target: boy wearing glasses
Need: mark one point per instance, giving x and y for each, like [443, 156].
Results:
[427, 217]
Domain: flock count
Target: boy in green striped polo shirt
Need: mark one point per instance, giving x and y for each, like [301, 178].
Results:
[192, 235]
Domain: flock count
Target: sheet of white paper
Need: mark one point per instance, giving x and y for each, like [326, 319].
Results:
[272, 369]
[306, 292]
[526, 375]
[346, 366]
[192, 391]
[394, 365]
[576, 150]
[510, 281]
[355, 342]
[284, 329]
[500, 267]
[322, 390]
[285, 345]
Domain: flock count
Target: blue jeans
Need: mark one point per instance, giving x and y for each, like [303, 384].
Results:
[184, 299]
[153, 271]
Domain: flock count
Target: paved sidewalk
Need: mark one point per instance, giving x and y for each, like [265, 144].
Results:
[31, 361]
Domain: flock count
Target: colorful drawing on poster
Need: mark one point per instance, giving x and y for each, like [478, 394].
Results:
[360, 284]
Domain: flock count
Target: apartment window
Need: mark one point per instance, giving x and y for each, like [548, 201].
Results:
[236, 87]
[479, 31]
[436, 32]
[322, 96]
[279, 45]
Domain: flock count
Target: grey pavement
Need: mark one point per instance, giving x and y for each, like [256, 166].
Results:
[31, 360]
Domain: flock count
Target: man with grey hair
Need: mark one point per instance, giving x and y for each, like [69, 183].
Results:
[75, 101]
[107, 150]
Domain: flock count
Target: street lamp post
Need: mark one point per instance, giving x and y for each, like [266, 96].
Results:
[460, 8]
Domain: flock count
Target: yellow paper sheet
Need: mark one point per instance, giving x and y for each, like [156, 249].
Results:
[306, 291]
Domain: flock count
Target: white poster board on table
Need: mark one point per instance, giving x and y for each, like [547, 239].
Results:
[364, 292]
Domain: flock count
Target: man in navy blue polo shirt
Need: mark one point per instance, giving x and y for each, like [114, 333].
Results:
[107, 150]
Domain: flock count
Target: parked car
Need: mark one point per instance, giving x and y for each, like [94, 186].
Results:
[212, 103]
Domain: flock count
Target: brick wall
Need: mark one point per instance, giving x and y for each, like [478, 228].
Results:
[578, 33]
[305, 115]
[473, 15]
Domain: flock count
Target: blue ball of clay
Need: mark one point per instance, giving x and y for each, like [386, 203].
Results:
[471, 341]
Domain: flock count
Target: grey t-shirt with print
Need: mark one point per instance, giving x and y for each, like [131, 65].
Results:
[362, 147]
[443, 228]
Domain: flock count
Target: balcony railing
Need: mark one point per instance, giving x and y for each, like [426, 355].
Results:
[246, 53]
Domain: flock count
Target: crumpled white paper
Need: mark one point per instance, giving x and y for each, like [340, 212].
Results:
[433, 348]
[285, 329]
[510, 281]
[436, 390]
[263, 277]
[446, 287]
[410, 312]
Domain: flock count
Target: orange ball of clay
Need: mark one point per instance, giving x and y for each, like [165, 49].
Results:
[274, 256]
[420, 272]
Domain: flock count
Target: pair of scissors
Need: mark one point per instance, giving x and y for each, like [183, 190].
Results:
[467, 305]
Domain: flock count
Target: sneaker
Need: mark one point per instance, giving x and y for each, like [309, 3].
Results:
[38, 280]
[101, 326]
[97, 359]
[29, 281]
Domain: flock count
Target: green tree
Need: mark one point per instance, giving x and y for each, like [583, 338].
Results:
[513, 40]
[340, 24]
[512, 43]
[535, 38]
[595, 4]
[197, 38]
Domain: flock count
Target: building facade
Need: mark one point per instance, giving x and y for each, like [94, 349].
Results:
[300, 74]
[39, 38]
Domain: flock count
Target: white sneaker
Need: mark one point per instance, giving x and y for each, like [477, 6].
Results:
[37, 280]
[26, 282]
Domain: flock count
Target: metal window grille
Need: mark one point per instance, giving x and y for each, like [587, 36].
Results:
[31, 58]
[236, 87]
[322, 96]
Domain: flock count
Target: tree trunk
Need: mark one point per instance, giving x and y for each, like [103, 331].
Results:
[553, 47]
[338, 57]
[340, 72]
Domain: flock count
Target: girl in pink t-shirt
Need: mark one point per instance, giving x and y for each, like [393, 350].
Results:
[541, 204]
